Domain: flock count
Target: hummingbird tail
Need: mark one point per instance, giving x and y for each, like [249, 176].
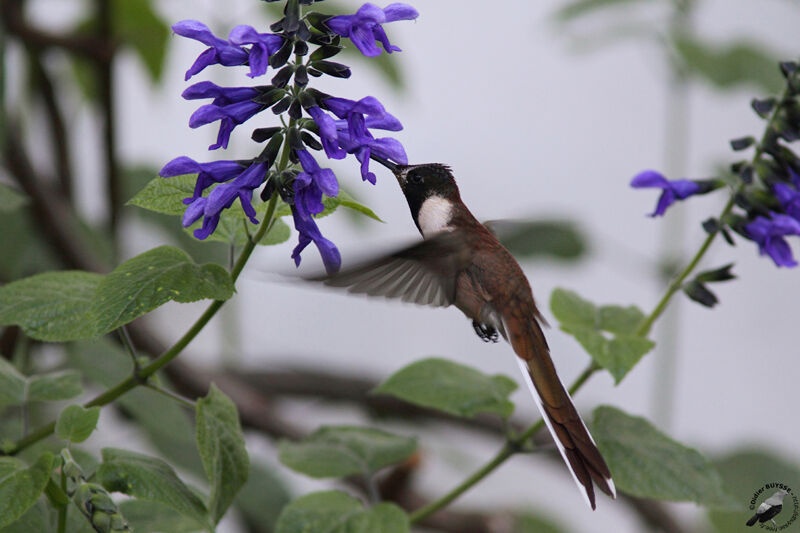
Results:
[570, 434]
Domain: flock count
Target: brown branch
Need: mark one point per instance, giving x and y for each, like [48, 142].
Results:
[54, 217]
[13, 19]
[105, 79]
[57, 129]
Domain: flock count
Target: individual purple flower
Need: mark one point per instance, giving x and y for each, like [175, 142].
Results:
[236, 181]
[364, 28]
[788, 196]
[264, 45]
[207, 173]
[231, 106]
[351, 133]
[311, 184]
[672, 189]
[220, 51]
[309, 232]
[769, 234]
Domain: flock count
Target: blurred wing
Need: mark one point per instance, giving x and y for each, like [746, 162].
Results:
[423, 274]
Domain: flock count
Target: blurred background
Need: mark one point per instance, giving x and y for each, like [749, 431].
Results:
[544, 110]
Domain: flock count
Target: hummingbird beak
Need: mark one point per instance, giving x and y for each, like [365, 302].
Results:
[397, 170]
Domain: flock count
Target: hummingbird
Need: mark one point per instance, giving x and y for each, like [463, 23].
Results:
[460, 262]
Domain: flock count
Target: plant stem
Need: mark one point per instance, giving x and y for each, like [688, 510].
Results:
[186, 402]
[62, 511]
[140, 377]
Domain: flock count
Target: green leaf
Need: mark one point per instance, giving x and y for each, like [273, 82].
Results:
[579, 8]
[76, 423]
[337, 512]
[732, 64]
[11, 199]
[153, 516]
[55, 386]
[52, 306]
[450, 387]
[12, 384]
[648, 464]
[262, 498]
[745, 471]
[558, 239]
[150, 479]
[586, 322]
[340, 451]
[37, 518]
[222, 450]
[21, 488]
[569, 308]
[344, 199]
[165, 195]
[151, 279]
[140, 27]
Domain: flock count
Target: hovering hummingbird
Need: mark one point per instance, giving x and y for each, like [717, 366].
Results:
[460, 262]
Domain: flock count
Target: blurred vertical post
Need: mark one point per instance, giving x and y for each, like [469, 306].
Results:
[676, 154]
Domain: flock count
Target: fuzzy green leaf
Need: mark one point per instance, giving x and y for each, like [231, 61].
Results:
[151, 279]
[55, 386]
[646, 463]
[337, 512]
[559, 239]
[450, 387]
[617, 353]
[52, 306]
[153, 516]
[12, 384]
[150, 479]
[262, 498]
[340, 451]
[221, 444]
[76, 423]
[20, 488]
[343, 199]
[165, 195]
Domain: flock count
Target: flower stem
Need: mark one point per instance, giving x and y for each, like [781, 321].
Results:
[139, 377]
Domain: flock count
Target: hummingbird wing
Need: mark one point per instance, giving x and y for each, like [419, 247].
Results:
[424, 273]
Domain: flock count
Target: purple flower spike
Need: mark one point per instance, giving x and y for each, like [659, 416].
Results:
[309, 232]
[769, 235]
[231, 106]
[672, 189]
[364, 28]
[327, 133]
[220, 51]
[207, 173]
[264, 45]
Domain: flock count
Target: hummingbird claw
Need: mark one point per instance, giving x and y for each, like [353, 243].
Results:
[486, 333]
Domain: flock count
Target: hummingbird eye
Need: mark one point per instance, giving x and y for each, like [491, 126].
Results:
[415, 177]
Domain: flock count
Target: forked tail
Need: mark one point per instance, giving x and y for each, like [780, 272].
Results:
[573, 440]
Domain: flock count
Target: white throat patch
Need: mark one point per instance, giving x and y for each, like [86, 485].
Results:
[434, 215]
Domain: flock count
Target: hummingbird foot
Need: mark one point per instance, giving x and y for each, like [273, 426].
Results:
[486, 333]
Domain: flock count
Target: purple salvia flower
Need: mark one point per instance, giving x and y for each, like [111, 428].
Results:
[366, 144]
[231, 106]
[789, 198]
[364, 28]
[264, 45]
[327, 133]
[309, 232]
[220, 51]
[207, 173]
[223, 196]
[672, 189]
[769, 234]
[311, 184]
